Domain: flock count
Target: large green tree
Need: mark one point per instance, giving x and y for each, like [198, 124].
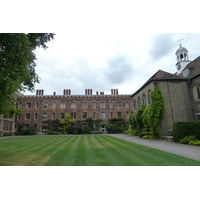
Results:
[17, 66]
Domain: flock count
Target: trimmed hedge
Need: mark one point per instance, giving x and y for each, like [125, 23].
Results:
[183, 129]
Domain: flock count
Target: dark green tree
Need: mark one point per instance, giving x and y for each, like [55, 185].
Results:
[17, 66]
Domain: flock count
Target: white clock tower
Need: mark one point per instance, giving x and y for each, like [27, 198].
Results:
[182, 59]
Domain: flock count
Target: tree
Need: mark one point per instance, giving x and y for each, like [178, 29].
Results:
[66, 122]
[17, 66]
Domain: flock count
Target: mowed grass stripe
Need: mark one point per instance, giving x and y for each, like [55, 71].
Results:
[151, 156]
[122, 155]
[35, 154]
[66, 154]
[106, 153]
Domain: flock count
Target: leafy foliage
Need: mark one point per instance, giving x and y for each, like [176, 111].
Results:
[183, 129]
[66, 122]
[147, 119]
[116, 125]
[17, 66]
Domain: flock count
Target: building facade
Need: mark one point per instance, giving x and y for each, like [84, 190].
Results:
[38, 108]
[181, 91]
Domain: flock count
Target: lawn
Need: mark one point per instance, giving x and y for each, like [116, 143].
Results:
[83, 150]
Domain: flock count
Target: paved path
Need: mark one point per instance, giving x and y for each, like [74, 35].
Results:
[187, 151]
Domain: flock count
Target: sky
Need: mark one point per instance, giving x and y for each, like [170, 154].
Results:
[102, 45]
[104, 61]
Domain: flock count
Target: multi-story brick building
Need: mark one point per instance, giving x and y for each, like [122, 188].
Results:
[40, 107]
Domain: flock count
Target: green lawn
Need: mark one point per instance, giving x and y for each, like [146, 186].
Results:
[83, 150]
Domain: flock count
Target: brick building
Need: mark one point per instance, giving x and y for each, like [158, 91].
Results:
[40, 107]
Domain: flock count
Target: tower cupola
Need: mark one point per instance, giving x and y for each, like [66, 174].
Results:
[182, 59]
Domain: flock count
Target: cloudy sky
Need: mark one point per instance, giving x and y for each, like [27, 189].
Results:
[102, 45]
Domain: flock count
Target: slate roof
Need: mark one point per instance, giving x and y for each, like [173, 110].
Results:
[161, 75]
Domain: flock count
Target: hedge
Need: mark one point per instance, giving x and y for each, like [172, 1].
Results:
[183, 129]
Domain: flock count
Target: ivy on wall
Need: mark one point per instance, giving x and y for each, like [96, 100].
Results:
[147, 119]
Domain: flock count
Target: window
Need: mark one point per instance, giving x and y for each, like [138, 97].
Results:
[127, 114]
[44, 115]
[119, 114]
[36, 105]
[73, 105]
[134, 105]
[94, 115]
[45, 105]
[84, 115]
[127, 104]
[20, 105]
[27, 116]
[149, 96]
[28, 105]
[196, 92]
[35, 126]
[111, 105]
[144, 99]
[62, 115]
[54, 105]
[139, 102]
[62, 105]
[73, 115]
[84, 104]
[119, 104]
[111, 114]
[19, 116]
[102, 115]
[53, 115]
[36, 116]
[94, 105]
[102, 105]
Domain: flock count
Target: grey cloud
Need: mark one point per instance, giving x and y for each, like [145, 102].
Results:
[162, 44]
[118, 69]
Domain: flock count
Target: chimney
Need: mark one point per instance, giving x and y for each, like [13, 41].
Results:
[63, 92]
[54, 93]
[36, 92]
[42, 92]
[101, 93]
[97, 93]
[112, 91]
[69, 92]
[91, 91]
[116, 91]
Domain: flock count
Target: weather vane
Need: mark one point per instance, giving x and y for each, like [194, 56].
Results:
[180, 41]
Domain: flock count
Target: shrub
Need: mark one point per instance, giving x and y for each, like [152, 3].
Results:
[197, 142]
[7, 134]
[187, 139]
[113, 128]
[86, 129]
[50, 132]
[75, 132]
[183, 129]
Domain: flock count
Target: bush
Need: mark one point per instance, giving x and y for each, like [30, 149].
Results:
[74, 130]
[86, 129]
[131, 131]
[187, 139]
[113, 128]
[7, 134]
[197, 142]
[183, 129]
[50, 132]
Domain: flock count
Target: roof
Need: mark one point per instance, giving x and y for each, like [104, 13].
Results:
[181, 49]
[194, 67]
[161, 75]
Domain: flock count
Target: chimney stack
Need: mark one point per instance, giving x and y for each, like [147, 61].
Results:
[97, 93]
[54, 93]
